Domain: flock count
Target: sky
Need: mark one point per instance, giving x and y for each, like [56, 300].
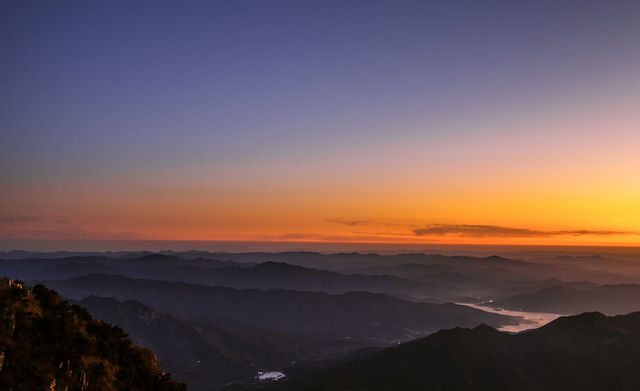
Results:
[495, 122]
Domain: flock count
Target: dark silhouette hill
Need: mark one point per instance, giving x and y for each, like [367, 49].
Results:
[585, 352]
[178, 345]
[267, 275]
[202, 354]
[209, 356]
[562, 299]
[419, 277]
[375, 317]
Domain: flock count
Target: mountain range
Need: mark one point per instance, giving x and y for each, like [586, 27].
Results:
[218, 320]
[585, 352]
[573, 299]
[375, 317]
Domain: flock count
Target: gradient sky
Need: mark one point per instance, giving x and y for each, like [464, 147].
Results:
[436, 122]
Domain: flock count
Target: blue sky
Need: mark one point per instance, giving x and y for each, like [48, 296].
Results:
[165, 91]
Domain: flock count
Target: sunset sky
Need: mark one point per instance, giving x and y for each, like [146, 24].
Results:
[374, 121]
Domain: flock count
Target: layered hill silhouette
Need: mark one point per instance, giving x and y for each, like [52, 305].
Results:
[179, 346]
[585, 352]
[216, 320]
[420, 277]
[563, 299]
[374, 317]
[206, 355]
[48, 344]
[266, 275]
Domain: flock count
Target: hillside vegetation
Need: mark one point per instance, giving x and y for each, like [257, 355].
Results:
[48, 344]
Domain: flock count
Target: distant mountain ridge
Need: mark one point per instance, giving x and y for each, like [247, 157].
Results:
[266, 275]
[218, 319]
[369, 315]
[416, 277]
[562, 299]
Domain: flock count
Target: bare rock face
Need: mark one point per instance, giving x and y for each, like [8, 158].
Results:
[7, 323]
[9, 283]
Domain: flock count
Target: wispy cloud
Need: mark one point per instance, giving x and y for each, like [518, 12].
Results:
[295, 236]
[68, 233]
[19, 219]
[350, 223]
[477, 231]
[40, 227]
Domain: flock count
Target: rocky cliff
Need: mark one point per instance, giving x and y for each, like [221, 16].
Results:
[48, 344]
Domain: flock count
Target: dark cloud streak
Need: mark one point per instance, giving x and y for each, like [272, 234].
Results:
[479, 231]
[19, 219]
[350, 223]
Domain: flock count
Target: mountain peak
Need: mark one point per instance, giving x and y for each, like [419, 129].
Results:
[277, 266]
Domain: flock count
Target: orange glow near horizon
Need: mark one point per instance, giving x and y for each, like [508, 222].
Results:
[578, 206]
[569, 183]
[304, 126]
[497, 217]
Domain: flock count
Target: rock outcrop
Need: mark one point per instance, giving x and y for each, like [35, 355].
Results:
[48, 344]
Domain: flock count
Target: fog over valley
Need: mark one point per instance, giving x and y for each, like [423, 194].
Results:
[215, 319]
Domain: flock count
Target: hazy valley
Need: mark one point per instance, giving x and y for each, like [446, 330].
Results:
[218, 320]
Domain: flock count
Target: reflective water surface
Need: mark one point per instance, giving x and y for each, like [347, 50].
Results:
[531, 320]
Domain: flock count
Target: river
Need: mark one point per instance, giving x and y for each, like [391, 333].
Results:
[532, 320]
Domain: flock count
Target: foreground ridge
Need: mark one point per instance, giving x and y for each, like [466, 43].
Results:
[48, 344]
